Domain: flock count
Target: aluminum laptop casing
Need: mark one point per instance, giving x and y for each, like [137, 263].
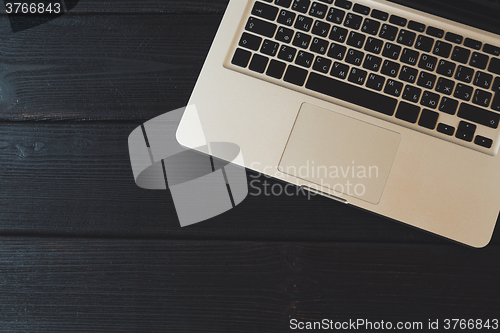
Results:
[434, 185]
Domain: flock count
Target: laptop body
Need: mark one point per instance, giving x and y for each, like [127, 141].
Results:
[366, 146]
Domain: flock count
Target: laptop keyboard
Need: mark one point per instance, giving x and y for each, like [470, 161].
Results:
[419, 76]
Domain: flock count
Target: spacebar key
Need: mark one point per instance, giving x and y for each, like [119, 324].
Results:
[352, 94]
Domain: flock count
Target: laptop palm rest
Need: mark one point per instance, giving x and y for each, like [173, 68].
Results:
[340, 153]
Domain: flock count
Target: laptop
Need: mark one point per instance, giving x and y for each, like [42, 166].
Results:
[390, 107]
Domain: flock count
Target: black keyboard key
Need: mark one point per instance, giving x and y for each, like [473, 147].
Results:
[302, 40]
[372, 63]
[454, 38]
[374, 45]
[428, 119]
[406, 37]
[390, 68]
[479, 115]
[337, 51]
[338, 34]
[250, 41]
[270, 48]
[446, 129]
[264, 10]
[408, 74]
[428, 62]
[335, 15]
[408, 112]
[353, 21]
[343, 4]
[354, 57]
[483, 142]
[339, 70]
[412, 93]
[446, 68]
[393, 88]
[319, 45]
[465, 131]
[375, 82]
[430, 100]
[483, 80]
[241, 58]
[321, 28]
[495, 105]
[356, 40]
[351, 93]
[388, 32]
[467, 126]
[370, 26]
[496, 85]
[479, 60]
[295, 75]
[473, 44]
[361, 9]
[391, 51]
[261, 27]
[494, 66]
[276, 69]
[463, 92]
[304, 59]
[357, 76]
[380, 15]
[409, 57]
[322, 64]
[283, 3]
[284, 35]
[490, 49]
[424, 43]
[416, 26]
[318, 10]
[442, 49]
[426, 80]
[482, 98]
[258, 63]
[301, 6]
[448, 105]
[287, 53]
[303, 23]
[398, 20]
[286, 17]
[464, 74]
[460, 54]
[445, 86]
[435, 32]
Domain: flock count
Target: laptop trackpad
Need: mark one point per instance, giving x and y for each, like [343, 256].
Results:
[340, 153]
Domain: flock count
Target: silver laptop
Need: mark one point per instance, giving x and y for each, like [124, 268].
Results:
[368, 102]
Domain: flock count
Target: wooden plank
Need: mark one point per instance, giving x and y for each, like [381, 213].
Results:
[56, 285]
[102, 67]
[76, 179]
[97, 7]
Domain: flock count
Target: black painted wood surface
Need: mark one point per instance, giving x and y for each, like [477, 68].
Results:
[83, 249]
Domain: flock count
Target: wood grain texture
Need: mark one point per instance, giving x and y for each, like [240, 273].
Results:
[71, 91]
[76, 179]
[109, 66]
[54, 285]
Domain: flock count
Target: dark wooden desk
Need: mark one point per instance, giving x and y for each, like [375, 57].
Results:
[83, 249]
